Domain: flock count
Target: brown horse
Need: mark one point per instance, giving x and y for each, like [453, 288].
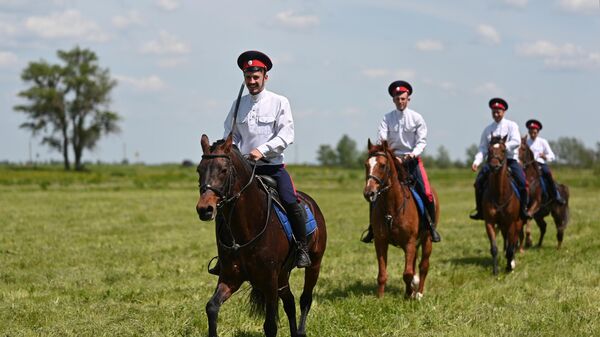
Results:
[395, 218]
[251, 243]
[500, 205]
[541, 205]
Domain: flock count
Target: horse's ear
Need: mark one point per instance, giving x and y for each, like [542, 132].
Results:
[205, 144]
[504, 138]
[524, 139]
[369, 144]
[228, 142]
[384, 143]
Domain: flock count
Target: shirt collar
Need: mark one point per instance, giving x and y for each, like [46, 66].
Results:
[259, 96]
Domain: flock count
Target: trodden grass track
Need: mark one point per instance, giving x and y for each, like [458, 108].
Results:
[119, 251]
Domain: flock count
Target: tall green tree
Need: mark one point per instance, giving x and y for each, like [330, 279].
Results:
[69, 102]
[346, 152]
[326, 155]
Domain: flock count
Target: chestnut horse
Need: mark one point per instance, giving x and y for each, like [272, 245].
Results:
[251, 243]
[395, 218]
[541, 205]
[500, 205]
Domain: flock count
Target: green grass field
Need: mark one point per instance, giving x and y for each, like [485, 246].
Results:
[119, 251]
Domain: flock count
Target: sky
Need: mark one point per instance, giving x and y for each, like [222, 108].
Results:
[175, 63]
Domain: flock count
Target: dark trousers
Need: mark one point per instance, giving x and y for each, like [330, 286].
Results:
[285, 186]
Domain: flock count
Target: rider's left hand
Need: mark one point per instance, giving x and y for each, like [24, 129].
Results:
[255, 155]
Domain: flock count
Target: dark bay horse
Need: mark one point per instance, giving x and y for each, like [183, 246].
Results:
[542, 205]
[500, 205]
[251, 243]
[395, 218]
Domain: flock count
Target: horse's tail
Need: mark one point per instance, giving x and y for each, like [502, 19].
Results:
[258, 304]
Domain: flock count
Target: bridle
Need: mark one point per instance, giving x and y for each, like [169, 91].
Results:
[226, 199]
[383, 182]
[502, 161]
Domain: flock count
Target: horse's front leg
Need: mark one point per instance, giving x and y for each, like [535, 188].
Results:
[542, 225]
[381, 248]
[410, 254]
[512, 238]
[222, 293]
[289, 303]
[491, 232]
[271, 301]
[423, 267]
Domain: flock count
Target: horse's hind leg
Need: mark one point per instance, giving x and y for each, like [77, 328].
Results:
[423, 267]
[561, 218]
[512, 239]
[491, 232]
[289, 304]
[311, 274]
[221, 294]
[271, 301]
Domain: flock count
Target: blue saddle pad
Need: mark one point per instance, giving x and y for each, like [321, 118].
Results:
[514, 187]
[311, 223]
[419, 201]
[544, 187]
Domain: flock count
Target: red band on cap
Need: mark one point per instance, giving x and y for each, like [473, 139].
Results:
[499, 105]
[534, 126]
[253, 63]
[402, 89]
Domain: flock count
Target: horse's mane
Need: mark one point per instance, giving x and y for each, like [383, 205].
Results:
[400, 169]
[235, 151]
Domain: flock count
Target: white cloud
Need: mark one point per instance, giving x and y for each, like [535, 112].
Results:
[516, 3]
[488, 34]
[375, 73]
[565, 56]
[150, 83]
[131, 18]
[166, 44]
[443, 85]
[169, 5]
[291, 20]
[8, 59]
[430, 45]
[580, 6]
[171, 62]
[68, 24]
[488, 89]
[405, 74]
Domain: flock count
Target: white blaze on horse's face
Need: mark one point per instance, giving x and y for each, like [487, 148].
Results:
[372, 164]
[496, 146]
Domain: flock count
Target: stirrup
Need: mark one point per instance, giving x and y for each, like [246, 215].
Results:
[216, 270]
[302, 258]
[366, 236]
[435, 236]
[476, 216]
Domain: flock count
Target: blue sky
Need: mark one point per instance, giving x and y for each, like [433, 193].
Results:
[175, 62]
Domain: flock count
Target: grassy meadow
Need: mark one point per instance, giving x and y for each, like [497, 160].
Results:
[119, 251]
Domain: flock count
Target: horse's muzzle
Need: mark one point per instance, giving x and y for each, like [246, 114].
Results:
[206, 213]
[207, 207]
[370, 195]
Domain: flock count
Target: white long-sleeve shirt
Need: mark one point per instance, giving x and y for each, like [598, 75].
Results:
[405, 131]
[539, 146]
[505, 127]
[264, 122]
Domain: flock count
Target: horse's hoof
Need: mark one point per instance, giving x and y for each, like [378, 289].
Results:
[418, 296]
[513, 263]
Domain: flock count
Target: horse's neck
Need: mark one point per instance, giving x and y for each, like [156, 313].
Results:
[500, 182]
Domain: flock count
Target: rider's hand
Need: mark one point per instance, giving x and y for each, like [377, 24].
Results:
[474, 167]
[255, 155]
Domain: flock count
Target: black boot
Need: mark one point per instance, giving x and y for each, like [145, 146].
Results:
[552, 187]
[524, 201]
[368, 238]
[478, 214]
[297, 218]
[435, 236]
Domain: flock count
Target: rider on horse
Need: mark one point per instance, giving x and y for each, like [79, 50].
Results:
[406, 133]
[264, 129]
[500, 127]
[543, 154]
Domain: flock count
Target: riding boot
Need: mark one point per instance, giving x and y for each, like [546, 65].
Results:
[297, 217]
[368, 238]
[524, 201]
[435, 236]
[478, 214]
[552, 187]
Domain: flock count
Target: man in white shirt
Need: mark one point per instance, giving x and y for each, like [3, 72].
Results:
[500, 127]
[406, 133]
[264, 129]
[543, 154]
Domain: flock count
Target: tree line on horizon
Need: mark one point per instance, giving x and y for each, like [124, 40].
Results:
[569, 151]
